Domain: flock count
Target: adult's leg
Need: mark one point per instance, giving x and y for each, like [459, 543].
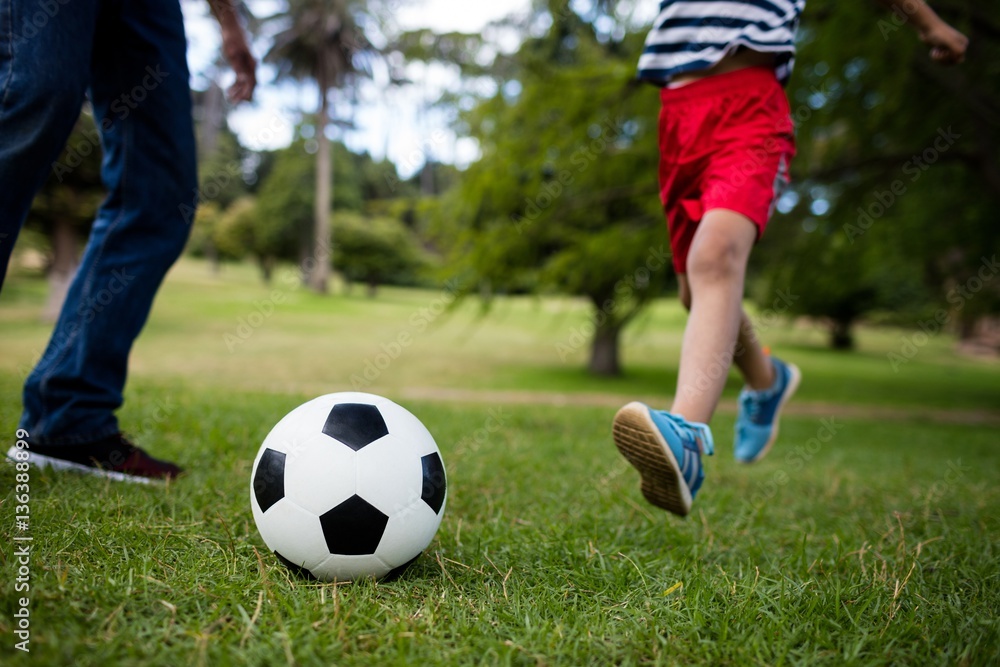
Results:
[716, 266]
[45, 50]
[143, 109]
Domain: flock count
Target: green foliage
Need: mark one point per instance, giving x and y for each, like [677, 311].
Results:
[378, 180]
[564, 195]
[220, 175]
[238, 231]
[287, 194]
[201, 242]
[320, 40]
[74, 191]
[376, 251]
[286, 201]
[905, 154]
[454, 48]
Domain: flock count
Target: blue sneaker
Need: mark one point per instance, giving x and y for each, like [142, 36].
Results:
[664, 449]
[757, 423]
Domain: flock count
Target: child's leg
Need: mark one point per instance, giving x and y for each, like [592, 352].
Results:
[716, 266]
[749, 357]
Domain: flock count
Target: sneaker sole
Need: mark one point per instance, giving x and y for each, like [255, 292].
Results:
[41, 462]
[794, 377]
[641, 443]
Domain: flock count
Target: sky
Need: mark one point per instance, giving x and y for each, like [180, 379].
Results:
[394, 123]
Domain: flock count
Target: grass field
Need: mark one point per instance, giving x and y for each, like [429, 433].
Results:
[869, 535]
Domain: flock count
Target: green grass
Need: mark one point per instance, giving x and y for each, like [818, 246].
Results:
[313, 345]
[878, 546]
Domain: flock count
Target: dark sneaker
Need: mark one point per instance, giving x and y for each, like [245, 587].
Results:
[114, 458]
[665, 449]
[757, 422]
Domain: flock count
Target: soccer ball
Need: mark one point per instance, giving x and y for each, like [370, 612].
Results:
[348, 485]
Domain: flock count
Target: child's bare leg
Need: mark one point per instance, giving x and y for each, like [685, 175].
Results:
[716, 267]
[749, 356]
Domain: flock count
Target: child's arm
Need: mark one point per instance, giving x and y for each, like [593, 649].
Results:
[947, 44]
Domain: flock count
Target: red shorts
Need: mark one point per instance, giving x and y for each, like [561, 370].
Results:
[725, 142]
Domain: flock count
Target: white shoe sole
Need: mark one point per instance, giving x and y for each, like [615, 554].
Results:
[642, 444]
[41, 462]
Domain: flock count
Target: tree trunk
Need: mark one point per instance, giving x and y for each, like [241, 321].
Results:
[966, 326]
[212, 255]
[321, 215]
[841, 335]
[604, 351]
[266, 264]
[213, 119]
[65, 259]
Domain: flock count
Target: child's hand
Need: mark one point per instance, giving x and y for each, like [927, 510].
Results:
[947, 44]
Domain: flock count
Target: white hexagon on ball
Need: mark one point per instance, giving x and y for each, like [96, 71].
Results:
[348, 485]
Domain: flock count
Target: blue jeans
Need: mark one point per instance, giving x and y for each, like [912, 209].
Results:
[130, 56]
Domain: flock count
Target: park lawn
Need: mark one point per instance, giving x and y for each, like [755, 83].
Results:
[854, 542]
[232, 331]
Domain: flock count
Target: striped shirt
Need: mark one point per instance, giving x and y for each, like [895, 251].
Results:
[691, 35]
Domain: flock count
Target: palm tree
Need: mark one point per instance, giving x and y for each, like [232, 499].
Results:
[321, 41]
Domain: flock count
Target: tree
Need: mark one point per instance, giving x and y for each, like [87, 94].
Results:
[564, 196]
[201, 242]
[898, 170]
[321, 41]
[377, 251]
[286, 198]
[285, 206]
[65, 207]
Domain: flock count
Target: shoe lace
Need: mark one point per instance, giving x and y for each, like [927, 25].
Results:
[751, 406]
[701, 431]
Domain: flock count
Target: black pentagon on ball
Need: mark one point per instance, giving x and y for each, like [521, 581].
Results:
[355, 424]
[435, 484]
[353, 528]
[269, 480]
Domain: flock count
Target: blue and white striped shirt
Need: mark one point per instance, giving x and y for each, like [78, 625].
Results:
[691, 35]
